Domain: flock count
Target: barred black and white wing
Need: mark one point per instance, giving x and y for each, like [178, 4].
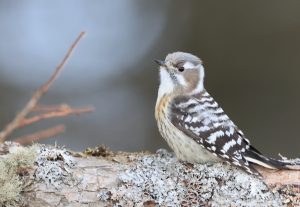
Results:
[205, 122]
[200, 118]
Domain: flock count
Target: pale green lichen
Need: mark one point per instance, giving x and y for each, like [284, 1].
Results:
[11, 184]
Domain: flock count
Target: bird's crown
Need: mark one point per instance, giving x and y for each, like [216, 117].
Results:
[182, 57]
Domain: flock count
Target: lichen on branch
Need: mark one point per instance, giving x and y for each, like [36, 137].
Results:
[55, 176]
[12, 165]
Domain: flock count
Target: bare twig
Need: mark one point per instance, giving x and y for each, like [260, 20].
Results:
[38, 94]
[37, 136]
[48, 108]
[65, 111]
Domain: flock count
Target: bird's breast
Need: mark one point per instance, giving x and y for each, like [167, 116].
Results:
[185, 148]
[161, 108]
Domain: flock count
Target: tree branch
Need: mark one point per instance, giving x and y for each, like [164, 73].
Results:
[31, 104]
[37, 136]
[60, 178]
[65, 111]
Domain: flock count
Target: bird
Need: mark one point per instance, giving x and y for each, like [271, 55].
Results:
[193, 124]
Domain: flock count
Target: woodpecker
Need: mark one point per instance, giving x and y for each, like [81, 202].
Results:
[193, 124]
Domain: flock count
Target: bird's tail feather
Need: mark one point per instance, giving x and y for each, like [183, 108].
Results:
[254, 156]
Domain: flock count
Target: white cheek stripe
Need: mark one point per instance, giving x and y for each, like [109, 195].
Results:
[189, 65]
[166, 83]
[200, 85]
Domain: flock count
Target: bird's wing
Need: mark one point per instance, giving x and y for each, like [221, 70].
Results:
[207, 124]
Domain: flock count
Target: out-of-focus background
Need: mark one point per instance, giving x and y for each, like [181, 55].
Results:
[251, 52]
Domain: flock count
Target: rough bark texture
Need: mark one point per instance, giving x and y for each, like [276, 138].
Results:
[51, 176]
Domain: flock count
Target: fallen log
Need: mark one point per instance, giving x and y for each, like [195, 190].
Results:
[52, 176]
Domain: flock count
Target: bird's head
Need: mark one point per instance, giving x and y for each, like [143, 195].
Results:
[181, 73]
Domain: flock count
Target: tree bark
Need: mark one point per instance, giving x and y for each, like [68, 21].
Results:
[98, 177]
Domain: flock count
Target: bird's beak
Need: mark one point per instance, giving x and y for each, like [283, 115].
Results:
[161, 62]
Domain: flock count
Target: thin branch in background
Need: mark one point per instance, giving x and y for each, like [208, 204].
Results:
[31, 104]
[65, 111]
[48, 108]
[37, 136]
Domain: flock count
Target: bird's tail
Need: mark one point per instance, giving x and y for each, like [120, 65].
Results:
[254, 156]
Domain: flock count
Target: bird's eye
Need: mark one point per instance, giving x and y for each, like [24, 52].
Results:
[181, 68]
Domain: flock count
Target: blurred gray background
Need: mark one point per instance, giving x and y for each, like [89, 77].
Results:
[251, 52]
